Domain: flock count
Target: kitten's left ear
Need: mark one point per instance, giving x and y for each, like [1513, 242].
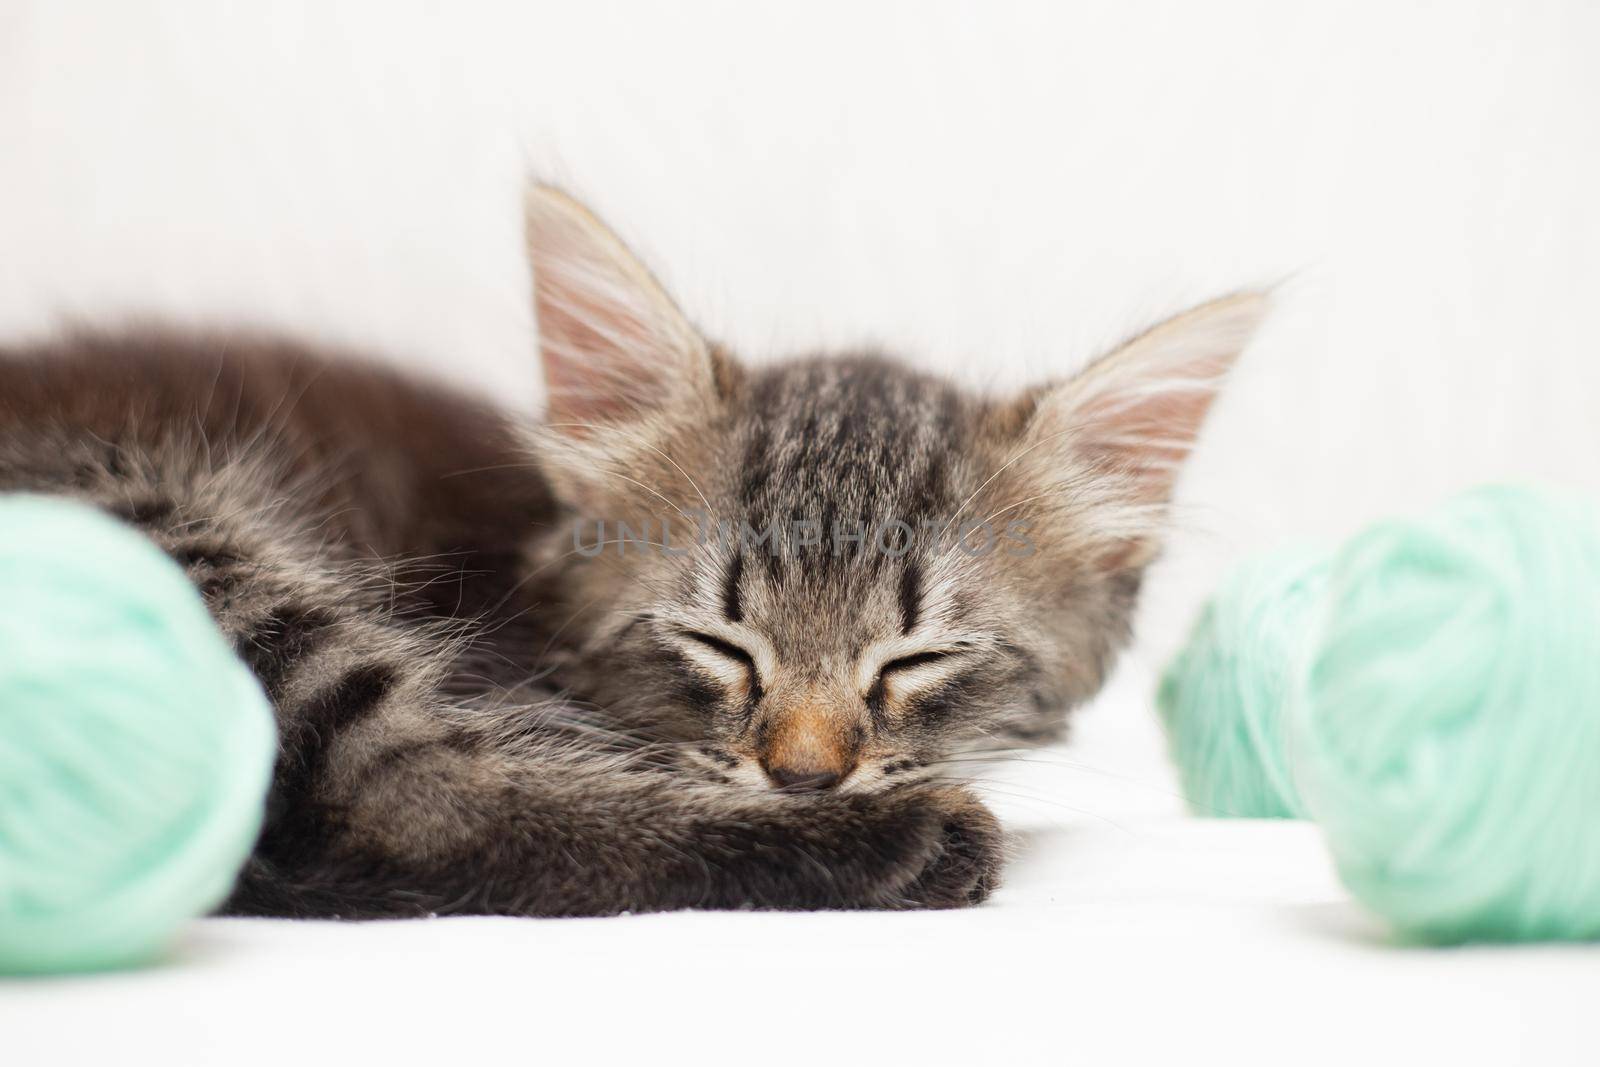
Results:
[1132, 415]
[616, 350]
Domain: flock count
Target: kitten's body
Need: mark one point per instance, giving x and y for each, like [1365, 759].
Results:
[289, 485]
[476, 717]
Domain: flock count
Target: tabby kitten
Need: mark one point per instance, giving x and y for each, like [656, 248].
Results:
[701, 639]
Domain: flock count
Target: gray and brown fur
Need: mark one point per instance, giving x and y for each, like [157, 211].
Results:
[476, 718]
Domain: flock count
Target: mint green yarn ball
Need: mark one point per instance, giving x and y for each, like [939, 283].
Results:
[1429, 695]
[1223, 699]
[135, 748]
[1447, 735]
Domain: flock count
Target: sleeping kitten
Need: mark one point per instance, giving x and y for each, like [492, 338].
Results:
[702, 639]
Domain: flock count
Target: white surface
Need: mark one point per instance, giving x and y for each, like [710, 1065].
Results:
[996, 190]
[1127, 933]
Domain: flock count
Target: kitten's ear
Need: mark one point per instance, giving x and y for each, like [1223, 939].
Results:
[616, 350]
[1132, 415]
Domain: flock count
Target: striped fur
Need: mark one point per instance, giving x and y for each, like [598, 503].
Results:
[825, 659]
[424, 765]
[477, 716]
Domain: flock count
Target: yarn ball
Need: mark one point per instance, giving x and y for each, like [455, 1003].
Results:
[1222, 698]
[1437, 714]
[1449, 735]
[135, 748]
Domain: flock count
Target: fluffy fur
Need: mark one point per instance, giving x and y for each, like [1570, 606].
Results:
[489, 704]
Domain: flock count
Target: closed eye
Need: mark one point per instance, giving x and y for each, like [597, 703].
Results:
[723, 648]
[877, 696]
[919, 659]
[730, 651]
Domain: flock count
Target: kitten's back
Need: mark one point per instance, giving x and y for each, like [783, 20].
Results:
[400, 466]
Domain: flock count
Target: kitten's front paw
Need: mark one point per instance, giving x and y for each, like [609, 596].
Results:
[965, 853]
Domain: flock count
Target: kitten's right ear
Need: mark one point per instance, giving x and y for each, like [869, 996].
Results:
[616, 350]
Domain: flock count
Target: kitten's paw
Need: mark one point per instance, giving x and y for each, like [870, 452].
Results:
[918, 846]
[965, 853]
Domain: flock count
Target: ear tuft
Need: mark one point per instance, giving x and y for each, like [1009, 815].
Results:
[615, 348]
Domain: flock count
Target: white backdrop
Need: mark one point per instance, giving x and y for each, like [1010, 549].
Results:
[994, 189]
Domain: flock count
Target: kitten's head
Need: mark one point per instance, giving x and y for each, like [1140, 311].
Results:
[835, 571]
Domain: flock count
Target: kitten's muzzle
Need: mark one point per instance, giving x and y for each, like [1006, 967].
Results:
[808, 749]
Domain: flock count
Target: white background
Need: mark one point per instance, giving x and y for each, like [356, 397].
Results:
[993, 189]
[996, 189]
